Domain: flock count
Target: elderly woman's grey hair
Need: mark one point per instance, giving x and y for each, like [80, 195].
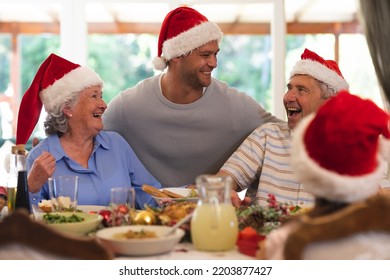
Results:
[56, 121]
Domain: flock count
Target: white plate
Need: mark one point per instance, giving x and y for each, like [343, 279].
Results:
[181, 191]
[90, 223]
[139, 247]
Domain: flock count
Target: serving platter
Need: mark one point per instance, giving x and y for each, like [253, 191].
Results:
[186, 193]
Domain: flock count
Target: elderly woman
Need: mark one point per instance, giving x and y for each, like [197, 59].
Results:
[76, 144]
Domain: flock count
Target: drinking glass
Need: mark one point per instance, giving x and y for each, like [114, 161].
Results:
[63, 192]
[122, 204]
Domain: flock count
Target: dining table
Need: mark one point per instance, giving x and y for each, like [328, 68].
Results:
[184, 250]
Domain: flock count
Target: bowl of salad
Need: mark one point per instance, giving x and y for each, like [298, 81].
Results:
[75, 223]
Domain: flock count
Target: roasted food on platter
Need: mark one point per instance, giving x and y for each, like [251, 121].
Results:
[170, 213]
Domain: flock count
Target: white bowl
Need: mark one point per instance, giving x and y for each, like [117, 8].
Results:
[185, 192]
[90, 223]
[140, 247]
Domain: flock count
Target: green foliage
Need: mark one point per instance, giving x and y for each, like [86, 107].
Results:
[244, 63]
[121, 60]
[35, 49]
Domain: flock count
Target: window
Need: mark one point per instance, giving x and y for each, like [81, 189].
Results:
[123, 60]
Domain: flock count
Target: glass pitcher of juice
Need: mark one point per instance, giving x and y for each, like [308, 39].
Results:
[214, 225]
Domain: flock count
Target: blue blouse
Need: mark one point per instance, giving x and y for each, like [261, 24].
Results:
[113, 163]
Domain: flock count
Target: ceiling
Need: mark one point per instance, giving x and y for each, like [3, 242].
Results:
[146, 11]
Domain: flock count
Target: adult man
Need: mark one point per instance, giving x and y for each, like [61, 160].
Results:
[184, 123]
[265, 154]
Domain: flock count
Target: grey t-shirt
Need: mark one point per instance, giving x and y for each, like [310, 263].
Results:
[178, 142]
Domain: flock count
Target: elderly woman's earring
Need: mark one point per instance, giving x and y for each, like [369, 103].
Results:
[70, 115]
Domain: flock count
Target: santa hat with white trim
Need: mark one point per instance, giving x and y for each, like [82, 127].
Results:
[340, 152]
[183, 30]
[326, 71]
[55, 80]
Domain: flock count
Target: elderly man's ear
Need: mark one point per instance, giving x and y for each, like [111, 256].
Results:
[35, 141]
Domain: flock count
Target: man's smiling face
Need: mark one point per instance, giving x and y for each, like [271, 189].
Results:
[303, 97]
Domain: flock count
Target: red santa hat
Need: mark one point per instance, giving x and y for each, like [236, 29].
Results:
[183, 30]
[326, 71]
[340, 153]
[55, 81]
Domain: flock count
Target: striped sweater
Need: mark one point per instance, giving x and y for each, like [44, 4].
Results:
[264, 156]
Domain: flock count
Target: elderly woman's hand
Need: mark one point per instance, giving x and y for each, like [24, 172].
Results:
[42, 168]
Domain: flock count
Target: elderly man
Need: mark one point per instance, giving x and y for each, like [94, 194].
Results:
[265, 155]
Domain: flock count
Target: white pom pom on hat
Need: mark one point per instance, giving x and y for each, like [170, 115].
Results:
[159, 63]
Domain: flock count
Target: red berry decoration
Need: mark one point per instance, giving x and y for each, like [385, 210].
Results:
[106, 214]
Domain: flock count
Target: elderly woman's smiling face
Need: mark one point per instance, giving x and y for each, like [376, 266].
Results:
[88, 110]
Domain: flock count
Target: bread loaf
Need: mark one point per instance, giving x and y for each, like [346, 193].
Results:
[172, 194]
[154, 191]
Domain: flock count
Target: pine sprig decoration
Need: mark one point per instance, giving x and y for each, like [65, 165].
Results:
[265, 219]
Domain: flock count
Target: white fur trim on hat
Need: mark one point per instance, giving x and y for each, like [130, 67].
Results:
[326, 183]
[74, 81]
[191, 39]
[321, 73]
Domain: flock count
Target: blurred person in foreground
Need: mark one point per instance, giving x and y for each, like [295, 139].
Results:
[339, 154]
[72, 96]
[265, 155]
[183, 122]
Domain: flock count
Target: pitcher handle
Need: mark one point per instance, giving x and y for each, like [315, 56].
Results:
[215, 212]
